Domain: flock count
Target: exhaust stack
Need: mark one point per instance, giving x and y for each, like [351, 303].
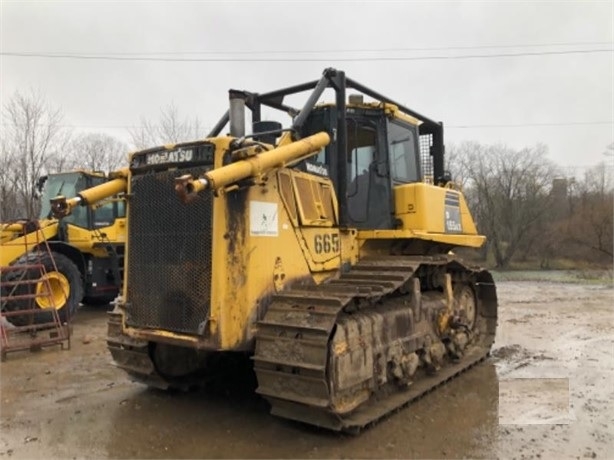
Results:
[237, 113]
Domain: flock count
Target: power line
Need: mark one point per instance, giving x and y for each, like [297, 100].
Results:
[342, 59]
[359, 50]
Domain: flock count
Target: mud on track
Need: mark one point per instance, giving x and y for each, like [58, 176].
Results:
[546, 392]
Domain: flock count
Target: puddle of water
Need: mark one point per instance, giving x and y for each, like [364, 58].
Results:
[459, 419]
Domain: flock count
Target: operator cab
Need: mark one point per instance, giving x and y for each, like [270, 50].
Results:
[382, 151]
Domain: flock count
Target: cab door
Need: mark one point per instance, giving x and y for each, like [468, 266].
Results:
[369, 191]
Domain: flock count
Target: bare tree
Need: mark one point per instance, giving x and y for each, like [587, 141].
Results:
[61, 158]
[457, 161]
[9, 207]
[98, 152]
[169, 128]
[591, 225]
[508, 191]
[32, 136]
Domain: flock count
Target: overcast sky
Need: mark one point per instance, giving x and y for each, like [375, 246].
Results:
[561, 94]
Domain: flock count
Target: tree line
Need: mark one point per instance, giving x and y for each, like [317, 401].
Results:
[527, 208]
[530, 212]
[35, 141]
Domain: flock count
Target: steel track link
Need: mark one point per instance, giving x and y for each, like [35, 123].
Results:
[293, 340]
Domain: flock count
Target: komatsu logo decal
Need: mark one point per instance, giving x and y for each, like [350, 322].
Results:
[316, 168]
[174, 156]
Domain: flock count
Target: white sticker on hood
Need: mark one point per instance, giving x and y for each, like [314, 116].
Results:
[263, 219]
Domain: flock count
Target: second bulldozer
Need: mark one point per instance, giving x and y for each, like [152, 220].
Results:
[322, 250]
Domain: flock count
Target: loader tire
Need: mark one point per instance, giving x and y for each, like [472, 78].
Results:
[65, 281]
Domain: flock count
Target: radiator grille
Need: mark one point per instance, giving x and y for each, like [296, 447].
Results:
[169, 255]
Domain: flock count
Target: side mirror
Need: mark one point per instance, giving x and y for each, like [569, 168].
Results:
[40, 184]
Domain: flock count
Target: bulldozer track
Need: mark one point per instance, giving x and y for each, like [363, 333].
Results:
[293, 344]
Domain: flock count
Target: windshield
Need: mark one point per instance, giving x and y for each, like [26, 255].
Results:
[66, 184]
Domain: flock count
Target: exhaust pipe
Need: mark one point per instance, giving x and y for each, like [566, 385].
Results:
[237, 113]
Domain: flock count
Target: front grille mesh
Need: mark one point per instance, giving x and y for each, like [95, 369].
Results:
[169, 255]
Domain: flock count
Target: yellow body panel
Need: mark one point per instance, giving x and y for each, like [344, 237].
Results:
[88, 241]
[472, 241]
[422, 208]
[115, 232]
[255, 252]
[12, 248]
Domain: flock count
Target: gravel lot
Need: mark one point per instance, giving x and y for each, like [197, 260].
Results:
[546, 392]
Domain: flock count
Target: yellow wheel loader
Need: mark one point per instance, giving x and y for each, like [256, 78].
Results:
[87, 247]
[321, 249]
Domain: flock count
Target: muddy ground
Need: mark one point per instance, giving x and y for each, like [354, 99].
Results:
[546, 392]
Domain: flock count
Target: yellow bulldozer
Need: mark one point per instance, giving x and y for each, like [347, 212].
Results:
[323, 250]
[85, 262]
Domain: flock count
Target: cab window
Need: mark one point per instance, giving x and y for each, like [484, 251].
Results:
[79, 215]
[121, 208]
[104, 215]
[402, 142]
